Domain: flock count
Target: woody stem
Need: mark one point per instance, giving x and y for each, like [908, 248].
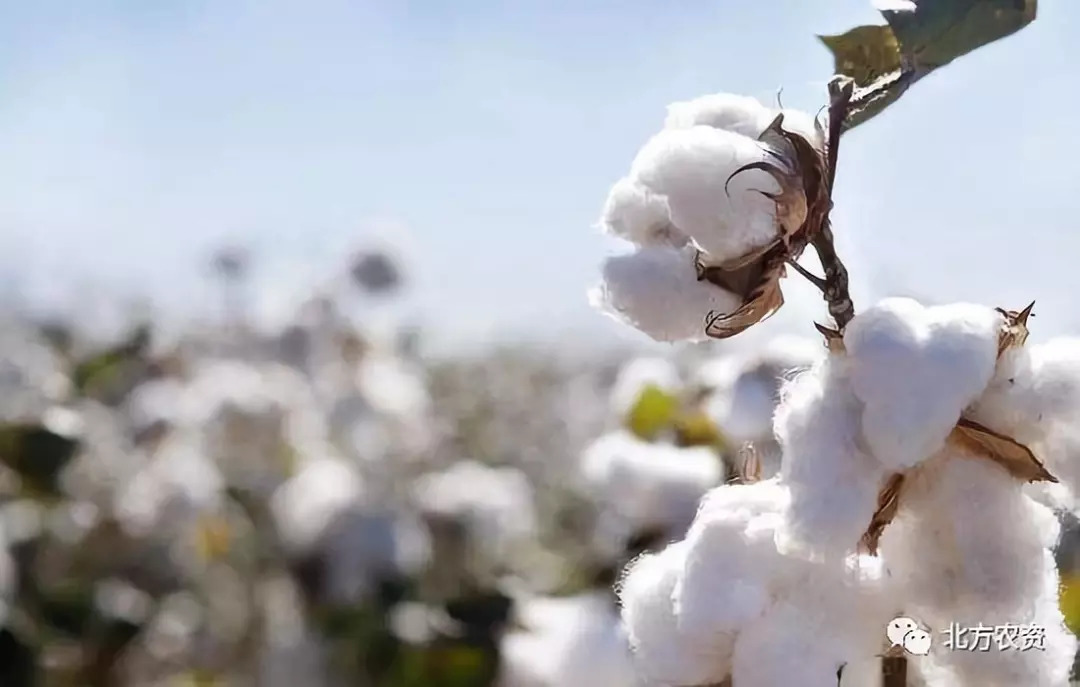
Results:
[835, 289]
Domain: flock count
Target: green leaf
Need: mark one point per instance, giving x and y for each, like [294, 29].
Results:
[927, 35]
[939, 31]
[654, 411]
[865, 53]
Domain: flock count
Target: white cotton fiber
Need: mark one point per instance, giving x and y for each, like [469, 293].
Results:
[690, 169]
[656, 290]
[635, 213]
[663, 654]
[1048, 667]
[738, 114]
[834, 484]
[915, 369]
[731, 560]
[646, 484]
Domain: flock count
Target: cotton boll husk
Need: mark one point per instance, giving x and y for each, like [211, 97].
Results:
[664, 655]
[730, 561]
[636, 376]
[656, 290]
[738, 114]
[636, 214]
[649, 485]
[834, 484]
[916, 369]
[691, 169]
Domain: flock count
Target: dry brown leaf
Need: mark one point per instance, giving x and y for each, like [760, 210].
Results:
[1010, 454]
[1014, 333]
[762, 301]
[888, 505]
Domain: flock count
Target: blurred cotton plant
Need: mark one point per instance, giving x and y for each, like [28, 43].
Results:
[903, 449]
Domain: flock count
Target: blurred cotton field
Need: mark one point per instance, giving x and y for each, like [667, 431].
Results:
[321, 504]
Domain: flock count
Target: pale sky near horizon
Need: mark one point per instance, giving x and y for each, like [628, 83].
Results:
[136, 136]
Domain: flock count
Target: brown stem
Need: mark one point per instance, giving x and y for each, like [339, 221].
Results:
[836, 292]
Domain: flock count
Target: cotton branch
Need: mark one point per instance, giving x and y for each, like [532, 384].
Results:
[835, 288]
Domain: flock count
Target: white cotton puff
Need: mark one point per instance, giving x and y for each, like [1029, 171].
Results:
[663, 654]
[656, 290]
[309, 503]
[966, 534]
[836, 610]
[916, 369]
[691, 168]
[834, 484]
[636, 214]
[998, 531]
[996, 667]
[495, 503]
[646, 484]
[638, 375]
[738, 114]
[575, 641]
[730, 562]
[1035, 398]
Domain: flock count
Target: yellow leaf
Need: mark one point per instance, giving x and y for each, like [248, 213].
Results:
[654, 411]
[864, 53]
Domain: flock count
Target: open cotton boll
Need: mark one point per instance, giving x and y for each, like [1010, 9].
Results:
[998, 530]
[309, 502]
[691, 169]
[998, 667]
[575, 641]
[834, 484]
[656, 290]
[393, 386]
[663, 654]
[649, 485]
[638, 375]
[495, 503]
[730, 561]
[738, 114]
[966, 534]
[916, 369]
[635, 213]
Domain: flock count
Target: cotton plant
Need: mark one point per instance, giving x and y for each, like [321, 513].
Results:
[905, 452]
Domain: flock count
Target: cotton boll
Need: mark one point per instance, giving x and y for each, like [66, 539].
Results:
[834, 484]
[649, 485]
[495, 504]
[575, 641]
[691, 169]
[966, 534]
[306, 505]
[738, 114]
[638, 375]
[916, 369]
[656, 290]
[731, 560]
[995, 667]
[997, 529]
[783, 646]
[663, 654]
[635, 213]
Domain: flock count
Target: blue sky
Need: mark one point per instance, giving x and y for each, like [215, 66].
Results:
[135, 136]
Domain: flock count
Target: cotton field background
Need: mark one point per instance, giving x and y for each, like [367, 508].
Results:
[336, 449]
